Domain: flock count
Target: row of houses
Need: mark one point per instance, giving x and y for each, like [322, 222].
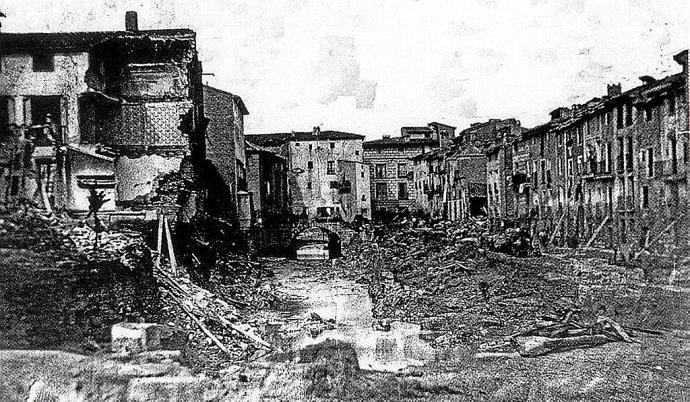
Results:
[613, 170]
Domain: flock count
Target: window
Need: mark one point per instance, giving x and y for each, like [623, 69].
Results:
[241, 176]
[43, 62]
[402, 169]
[356, 152]
[628, 114]
[297, 144]
[672, 105]
[310, 164]
[619, 117]
[380, 170]
[402, 191]
[362, 173]
[645, 197]
[629, 154]
[5, 119]
[44, 106]
[650, 162]
[364, 197]
[332, 145]
[381, 191]
[648, 113]
[334, 184]
[330, 168]
[308, 185]
[311, 147]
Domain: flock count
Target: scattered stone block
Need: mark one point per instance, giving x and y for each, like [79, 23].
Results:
[131, 338]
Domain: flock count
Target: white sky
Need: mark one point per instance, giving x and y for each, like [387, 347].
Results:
[372, 66]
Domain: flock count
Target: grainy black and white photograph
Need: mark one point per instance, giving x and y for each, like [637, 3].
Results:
[344, 200]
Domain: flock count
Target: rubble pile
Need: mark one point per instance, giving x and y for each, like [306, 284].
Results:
[213, 323]
[443, 279]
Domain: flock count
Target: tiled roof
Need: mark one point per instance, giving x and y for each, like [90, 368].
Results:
[399, 141]
[75, 41]
[242, 106]
[281, 138]
[640, 94]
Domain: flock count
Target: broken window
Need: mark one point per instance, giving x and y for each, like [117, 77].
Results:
[43, 62]
[330, 168]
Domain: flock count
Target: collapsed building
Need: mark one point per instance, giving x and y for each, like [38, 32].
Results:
[112, 112]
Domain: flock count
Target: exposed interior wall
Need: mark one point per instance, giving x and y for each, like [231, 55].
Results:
[136, 175]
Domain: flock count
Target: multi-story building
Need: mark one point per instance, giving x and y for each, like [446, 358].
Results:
[391, 166]
[499, 168]
[267, 184]
[109, 111]
[612, 170]
[450, 183]
[327, 178]
[225, 150]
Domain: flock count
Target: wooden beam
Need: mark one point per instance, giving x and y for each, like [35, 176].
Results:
[656, 238]
[159, 246]
[596, 232]
[171, 251]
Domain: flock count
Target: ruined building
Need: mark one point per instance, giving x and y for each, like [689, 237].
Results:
[226, 171]
[391, 166]
[611, 171]
[116, 112]
[327, 179]
[267, 183]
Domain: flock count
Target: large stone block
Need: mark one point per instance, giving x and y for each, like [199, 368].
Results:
[131, 338]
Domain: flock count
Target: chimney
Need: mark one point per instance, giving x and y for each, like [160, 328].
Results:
[131, 21]
[317, 130]
[386, 136]
[613, 89]
[647, 79]
[682, 59]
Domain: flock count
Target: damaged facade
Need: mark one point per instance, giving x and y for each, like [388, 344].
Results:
[391, 166]
[612, 171]
[110, 111]
[327, 179]
[226, 171]
[267, 184]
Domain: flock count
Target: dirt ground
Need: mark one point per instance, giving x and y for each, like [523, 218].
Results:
[46, 303]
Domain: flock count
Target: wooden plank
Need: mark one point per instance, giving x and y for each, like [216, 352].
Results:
[171, 251]
[656, 238]
[596, 232]
[555, 229]
[159, 246]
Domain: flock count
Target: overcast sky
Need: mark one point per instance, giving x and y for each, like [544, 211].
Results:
[371, 66]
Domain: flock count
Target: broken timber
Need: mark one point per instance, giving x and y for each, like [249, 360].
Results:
[596, 232]
[656, 238]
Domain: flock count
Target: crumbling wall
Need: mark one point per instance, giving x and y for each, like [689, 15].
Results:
[136, 175]
[18, 80]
